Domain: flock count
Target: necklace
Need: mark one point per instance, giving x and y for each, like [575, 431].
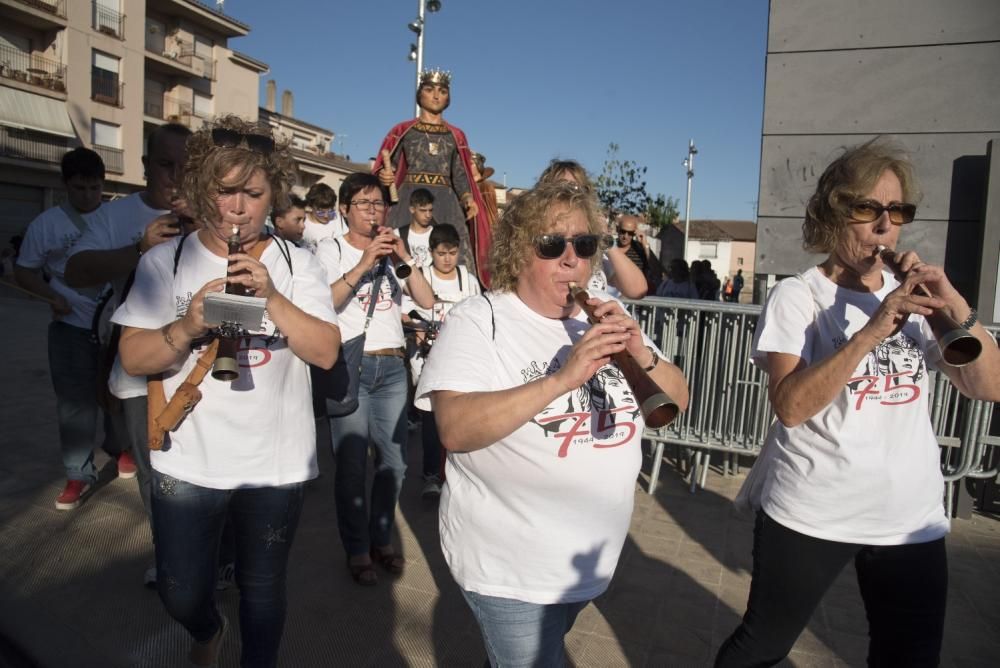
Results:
[433, 147]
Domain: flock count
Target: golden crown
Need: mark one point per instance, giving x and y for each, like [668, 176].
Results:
[436, 76]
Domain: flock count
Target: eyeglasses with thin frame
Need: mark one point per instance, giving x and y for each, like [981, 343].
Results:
[326, 213]
[368, 203]
[868, 211]
[226, 138]
[552, 246]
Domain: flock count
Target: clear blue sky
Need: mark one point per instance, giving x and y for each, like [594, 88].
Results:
[537, 79]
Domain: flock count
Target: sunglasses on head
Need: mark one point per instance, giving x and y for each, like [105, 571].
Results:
[226, 138]
[552, 246]
[868, 211]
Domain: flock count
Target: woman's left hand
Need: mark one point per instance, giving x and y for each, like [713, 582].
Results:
[934, 279]
[256, 277]
[612, 313]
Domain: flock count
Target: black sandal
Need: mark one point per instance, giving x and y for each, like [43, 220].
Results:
[390, 561]
[363, 574]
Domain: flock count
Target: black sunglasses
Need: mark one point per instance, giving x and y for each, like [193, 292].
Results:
[226, 138]
[868, 211]
[552, 246]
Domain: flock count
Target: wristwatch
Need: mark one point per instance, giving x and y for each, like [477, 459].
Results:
[656, 360]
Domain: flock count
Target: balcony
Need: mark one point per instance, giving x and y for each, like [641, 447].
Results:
[106, 88]
[114, 158]
[206, 66]
[30, 145]
[54, 7]
[31, 69]
[107, 21]
[166, 108]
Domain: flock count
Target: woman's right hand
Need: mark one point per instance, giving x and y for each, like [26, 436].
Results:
[896, 308]
[590, 353]
[193, 321]
[382, 245]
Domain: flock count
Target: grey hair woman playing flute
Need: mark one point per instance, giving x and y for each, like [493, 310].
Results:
[542, 429]
[852, 464]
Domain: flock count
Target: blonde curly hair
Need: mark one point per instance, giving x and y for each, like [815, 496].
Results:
[558, 168]
[209, 165]
[529, 216]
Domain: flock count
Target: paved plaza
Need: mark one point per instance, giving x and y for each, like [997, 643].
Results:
[71, 582]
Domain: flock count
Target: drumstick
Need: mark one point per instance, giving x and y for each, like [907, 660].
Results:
[15, 286]
[387, 164]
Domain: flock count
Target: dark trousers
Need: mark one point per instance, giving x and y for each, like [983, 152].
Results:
[431, 442]
[189, 521]
[904, 588]
[73, 367]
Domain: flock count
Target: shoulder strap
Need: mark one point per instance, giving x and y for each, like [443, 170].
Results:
[376, 286]
[178, 251]
[493, 315]
[74, 216]
[404, 234]
[285, 253]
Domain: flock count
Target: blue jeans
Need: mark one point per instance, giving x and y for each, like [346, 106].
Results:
[381, 415]
[188, 522]
[517, 633]
[73, 367]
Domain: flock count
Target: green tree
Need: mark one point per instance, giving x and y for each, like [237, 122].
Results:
[621, 188]
[662, 211]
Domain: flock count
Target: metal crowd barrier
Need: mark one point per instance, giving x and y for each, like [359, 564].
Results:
[730, 412]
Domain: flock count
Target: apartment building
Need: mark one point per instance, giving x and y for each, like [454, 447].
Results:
[310, 144]
[103, 74]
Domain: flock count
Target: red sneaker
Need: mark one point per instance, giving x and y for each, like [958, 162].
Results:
[126, 466]
[71, 494]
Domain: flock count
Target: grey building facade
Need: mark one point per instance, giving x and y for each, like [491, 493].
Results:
[926, 73]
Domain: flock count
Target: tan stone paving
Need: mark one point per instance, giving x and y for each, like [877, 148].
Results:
[70, 581]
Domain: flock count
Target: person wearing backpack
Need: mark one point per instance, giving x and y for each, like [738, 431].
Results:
[416, 234]
[451, 283]
[73, 350]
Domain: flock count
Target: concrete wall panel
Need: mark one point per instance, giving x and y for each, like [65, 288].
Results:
[791, 166]
[779, 244]
[914, 89]
[816, 25]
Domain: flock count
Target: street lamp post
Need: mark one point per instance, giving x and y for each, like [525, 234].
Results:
[689, 166]
[417, 50]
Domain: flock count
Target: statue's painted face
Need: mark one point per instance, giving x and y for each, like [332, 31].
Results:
[435, 98]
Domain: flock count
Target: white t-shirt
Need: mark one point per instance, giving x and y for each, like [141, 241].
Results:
[258, 430]
[313, 233]
[122, 224]
[866, 468]
[600, 280]
[47, 244]
[541, 515]
[386, 329]
[420, 245]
